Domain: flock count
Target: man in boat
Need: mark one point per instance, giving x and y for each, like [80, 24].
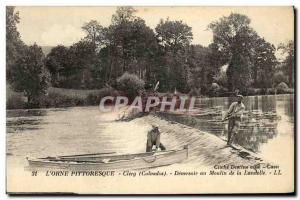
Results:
[234, 116]
[153, 138]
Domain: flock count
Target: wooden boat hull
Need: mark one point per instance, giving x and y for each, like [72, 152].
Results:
[114, 162]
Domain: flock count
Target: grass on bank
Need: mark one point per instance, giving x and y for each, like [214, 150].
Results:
[14, 100]
[60, 97]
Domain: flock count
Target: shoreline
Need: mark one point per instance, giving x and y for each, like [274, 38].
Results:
[72, 106]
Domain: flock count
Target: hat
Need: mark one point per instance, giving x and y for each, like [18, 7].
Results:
[239, 95]
[154, 126]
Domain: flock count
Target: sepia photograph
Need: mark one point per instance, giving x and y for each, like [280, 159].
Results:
[150, 100]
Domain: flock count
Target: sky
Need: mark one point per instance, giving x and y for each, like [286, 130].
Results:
[51, 26]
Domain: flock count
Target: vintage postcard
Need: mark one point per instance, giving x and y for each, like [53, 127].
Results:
[150, 100]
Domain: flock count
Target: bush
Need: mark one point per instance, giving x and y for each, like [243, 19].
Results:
[95, 97]
[222, 91]
[214, 86]
[14, 100]
[221, 78]
[260, 91]
[254, 91]
[130, 84]
[280, 77]
[290, 91]
[59, 97]
[195, 92]
[269, 91]
[216, 90]
[54, 99]
[283, 88]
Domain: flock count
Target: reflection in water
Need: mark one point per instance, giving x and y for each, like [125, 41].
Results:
[289, 109]
[20, 124]
[20, 120]
[25, 113]
[259, 123]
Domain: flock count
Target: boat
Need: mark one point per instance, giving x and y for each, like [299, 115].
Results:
[110, 162]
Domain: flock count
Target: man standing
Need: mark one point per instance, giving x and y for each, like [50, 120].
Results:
[234, 116]
[153, 138]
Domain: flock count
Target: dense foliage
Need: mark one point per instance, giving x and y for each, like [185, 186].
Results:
[131, 84]
[129, 55]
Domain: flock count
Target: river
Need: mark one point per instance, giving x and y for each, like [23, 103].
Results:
[77, 130]
[267, 128]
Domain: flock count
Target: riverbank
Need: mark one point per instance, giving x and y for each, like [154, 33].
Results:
[61, 97]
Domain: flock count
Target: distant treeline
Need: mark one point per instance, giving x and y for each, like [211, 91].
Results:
[238, 58]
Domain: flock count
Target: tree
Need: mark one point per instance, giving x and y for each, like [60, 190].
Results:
[289, 61]
[177, 70]
[14, 45]
[264, 62]
[234, 38]
[57, 62]
[280, 77]
[29, 74]
[174, 38]
[82, 60]
[203, 66]
[173, 35]
[95, 34]
[72, 67]
[239, 73]
[130, 46]
[123, 14]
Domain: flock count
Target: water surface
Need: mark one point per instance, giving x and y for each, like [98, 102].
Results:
[268, 131]
[267, 126]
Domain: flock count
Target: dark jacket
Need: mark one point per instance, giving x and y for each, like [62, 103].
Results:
[153, 138]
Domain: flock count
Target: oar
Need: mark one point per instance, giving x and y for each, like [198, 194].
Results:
[225, 119]
[229, 116]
